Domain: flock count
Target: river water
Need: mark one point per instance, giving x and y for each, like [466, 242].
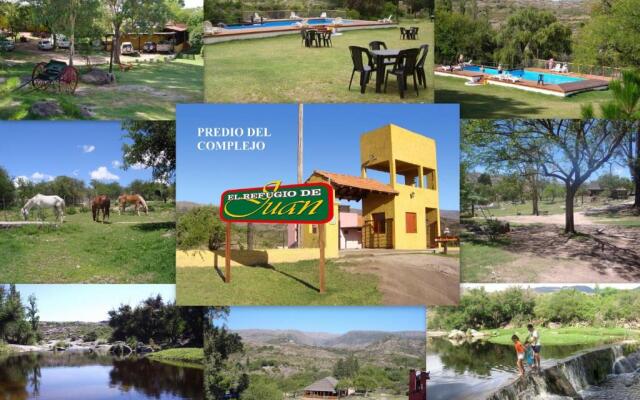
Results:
[81, 376]
[471, 370]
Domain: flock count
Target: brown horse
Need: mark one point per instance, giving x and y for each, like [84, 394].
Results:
[134, 199]
[100, 203]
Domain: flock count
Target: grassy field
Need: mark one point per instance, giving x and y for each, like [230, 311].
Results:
[477, 261]
[187, 355]
[148, 91]
[491, 101]
[280, 70]
[280, 284]
[129, 249]
[506, 208]
[566, 336]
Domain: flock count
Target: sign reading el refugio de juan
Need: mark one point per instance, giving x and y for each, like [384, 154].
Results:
[307, 203]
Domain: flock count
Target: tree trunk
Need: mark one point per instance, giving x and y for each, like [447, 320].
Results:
[72, 37]
[473, 210]
[569, 226]
[115, 44]
[635, 173]
[250, 230]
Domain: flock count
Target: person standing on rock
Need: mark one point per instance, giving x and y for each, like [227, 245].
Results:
[519, 354]
[534, 340]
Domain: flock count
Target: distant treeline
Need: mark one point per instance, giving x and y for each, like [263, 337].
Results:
[15, 192]
[607, 38]
[155, 322]
[231, 11]
[479, 309]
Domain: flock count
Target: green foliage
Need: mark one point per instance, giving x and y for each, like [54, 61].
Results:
[566, 306]
[611, 182]
[346, 368]
[157, 321]
[198, 227]
[262, 389]
[17, 323]
[532, 33]
[7, 189]
[610, 36]
[461, 34]
[91, 336]
[154, 146]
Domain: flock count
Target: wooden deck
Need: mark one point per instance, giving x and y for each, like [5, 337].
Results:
[562, 90]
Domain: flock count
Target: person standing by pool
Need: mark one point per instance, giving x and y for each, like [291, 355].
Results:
[541, 79]
[461, 60]
[519, 354]
[534, 340]
[499, 68]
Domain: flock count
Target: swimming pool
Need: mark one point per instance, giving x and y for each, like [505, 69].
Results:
[553, 79]
[281, 23]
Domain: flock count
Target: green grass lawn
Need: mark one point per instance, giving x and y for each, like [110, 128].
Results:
[284, 284]
[508, 208]
[281, 70]
[148, 91]
[491, 101]
[566, 336]
[130, 249]
[478, 260]
[187, 355]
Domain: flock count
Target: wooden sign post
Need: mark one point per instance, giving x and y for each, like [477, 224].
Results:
[306, 203]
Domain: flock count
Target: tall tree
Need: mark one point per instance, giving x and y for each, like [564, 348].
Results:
[625, 105]
[134, 16]
[219, 345]
[154, 146]
[7, 188]
[532, 33]
[569, 151]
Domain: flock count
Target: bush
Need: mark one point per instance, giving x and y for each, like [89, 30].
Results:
[71, 211]
[200, 227]
[90, 337]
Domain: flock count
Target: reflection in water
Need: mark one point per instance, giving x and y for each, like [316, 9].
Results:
[468, 370]
[71, 376]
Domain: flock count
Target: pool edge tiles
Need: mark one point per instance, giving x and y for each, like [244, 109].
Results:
[559, 90]
[259, 33]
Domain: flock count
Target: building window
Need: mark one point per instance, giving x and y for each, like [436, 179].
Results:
[412, 222]
[379, 225]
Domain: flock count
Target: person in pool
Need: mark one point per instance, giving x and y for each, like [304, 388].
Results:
[519, 353]
[534, 340]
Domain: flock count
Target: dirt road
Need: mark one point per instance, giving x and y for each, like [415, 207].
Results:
[407, 278]
[555, 219]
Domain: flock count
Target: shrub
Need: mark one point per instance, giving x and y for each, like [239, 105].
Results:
[90, 337]
[200, 227]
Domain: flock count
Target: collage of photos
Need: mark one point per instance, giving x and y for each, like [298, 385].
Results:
[319, 199]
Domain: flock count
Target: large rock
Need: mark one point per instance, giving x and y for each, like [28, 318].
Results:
[46, 108]
[120, 349]
[457, 334]
[97, 77]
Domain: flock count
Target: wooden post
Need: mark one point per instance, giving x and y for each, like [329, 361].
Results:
[321, 243]
[227, 255]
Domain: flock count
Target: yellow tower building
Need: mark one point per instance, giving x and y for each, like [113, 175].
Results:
[402, 213]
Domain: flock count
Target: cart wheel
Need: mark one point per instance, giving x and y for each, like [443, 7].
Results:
[37, 71]
[68, 80]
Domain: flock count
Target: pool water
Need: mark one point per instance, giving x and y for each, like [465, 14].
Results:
[532, 76]
[272, 24]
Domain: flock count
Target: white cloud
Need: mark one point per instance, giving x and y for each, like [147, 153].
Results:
[103, 174]
[76, 172]
[139, 166]
[116, 164]
[40, 177]
[17, 179]
[88, 148]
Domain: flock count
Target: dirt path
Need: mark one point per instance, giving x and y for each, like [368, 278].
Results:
[411, 278]
[600, 253]
[556, 219]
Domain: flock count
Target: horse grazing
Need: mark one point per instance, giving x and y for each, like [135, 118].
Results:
[41, 201]
[100, 203]
[134, 199]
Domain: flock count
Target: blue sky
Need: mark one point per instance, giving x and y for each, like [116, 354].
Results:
[42, 150]
[88, 302]
[202, 176]
[328, 319]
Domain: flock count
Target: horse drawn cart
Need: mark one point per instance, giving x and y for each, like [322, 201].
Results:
[55, 74]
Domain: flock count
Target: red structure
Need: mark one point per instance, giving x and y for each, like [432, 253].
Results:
[418, 385]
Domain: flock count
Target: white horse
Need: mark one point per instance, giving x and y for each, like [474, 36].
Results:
[41, 201]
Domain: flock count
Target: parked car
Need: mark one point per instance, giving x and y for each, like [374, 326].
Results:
[164, 46]
[7, 44]
[149, 47]
[62, 42]
[126, 48]
[45, 44]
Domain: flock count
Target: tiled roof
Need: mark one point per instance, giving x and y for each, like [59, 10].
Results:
[356, 181]
[327, 384]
